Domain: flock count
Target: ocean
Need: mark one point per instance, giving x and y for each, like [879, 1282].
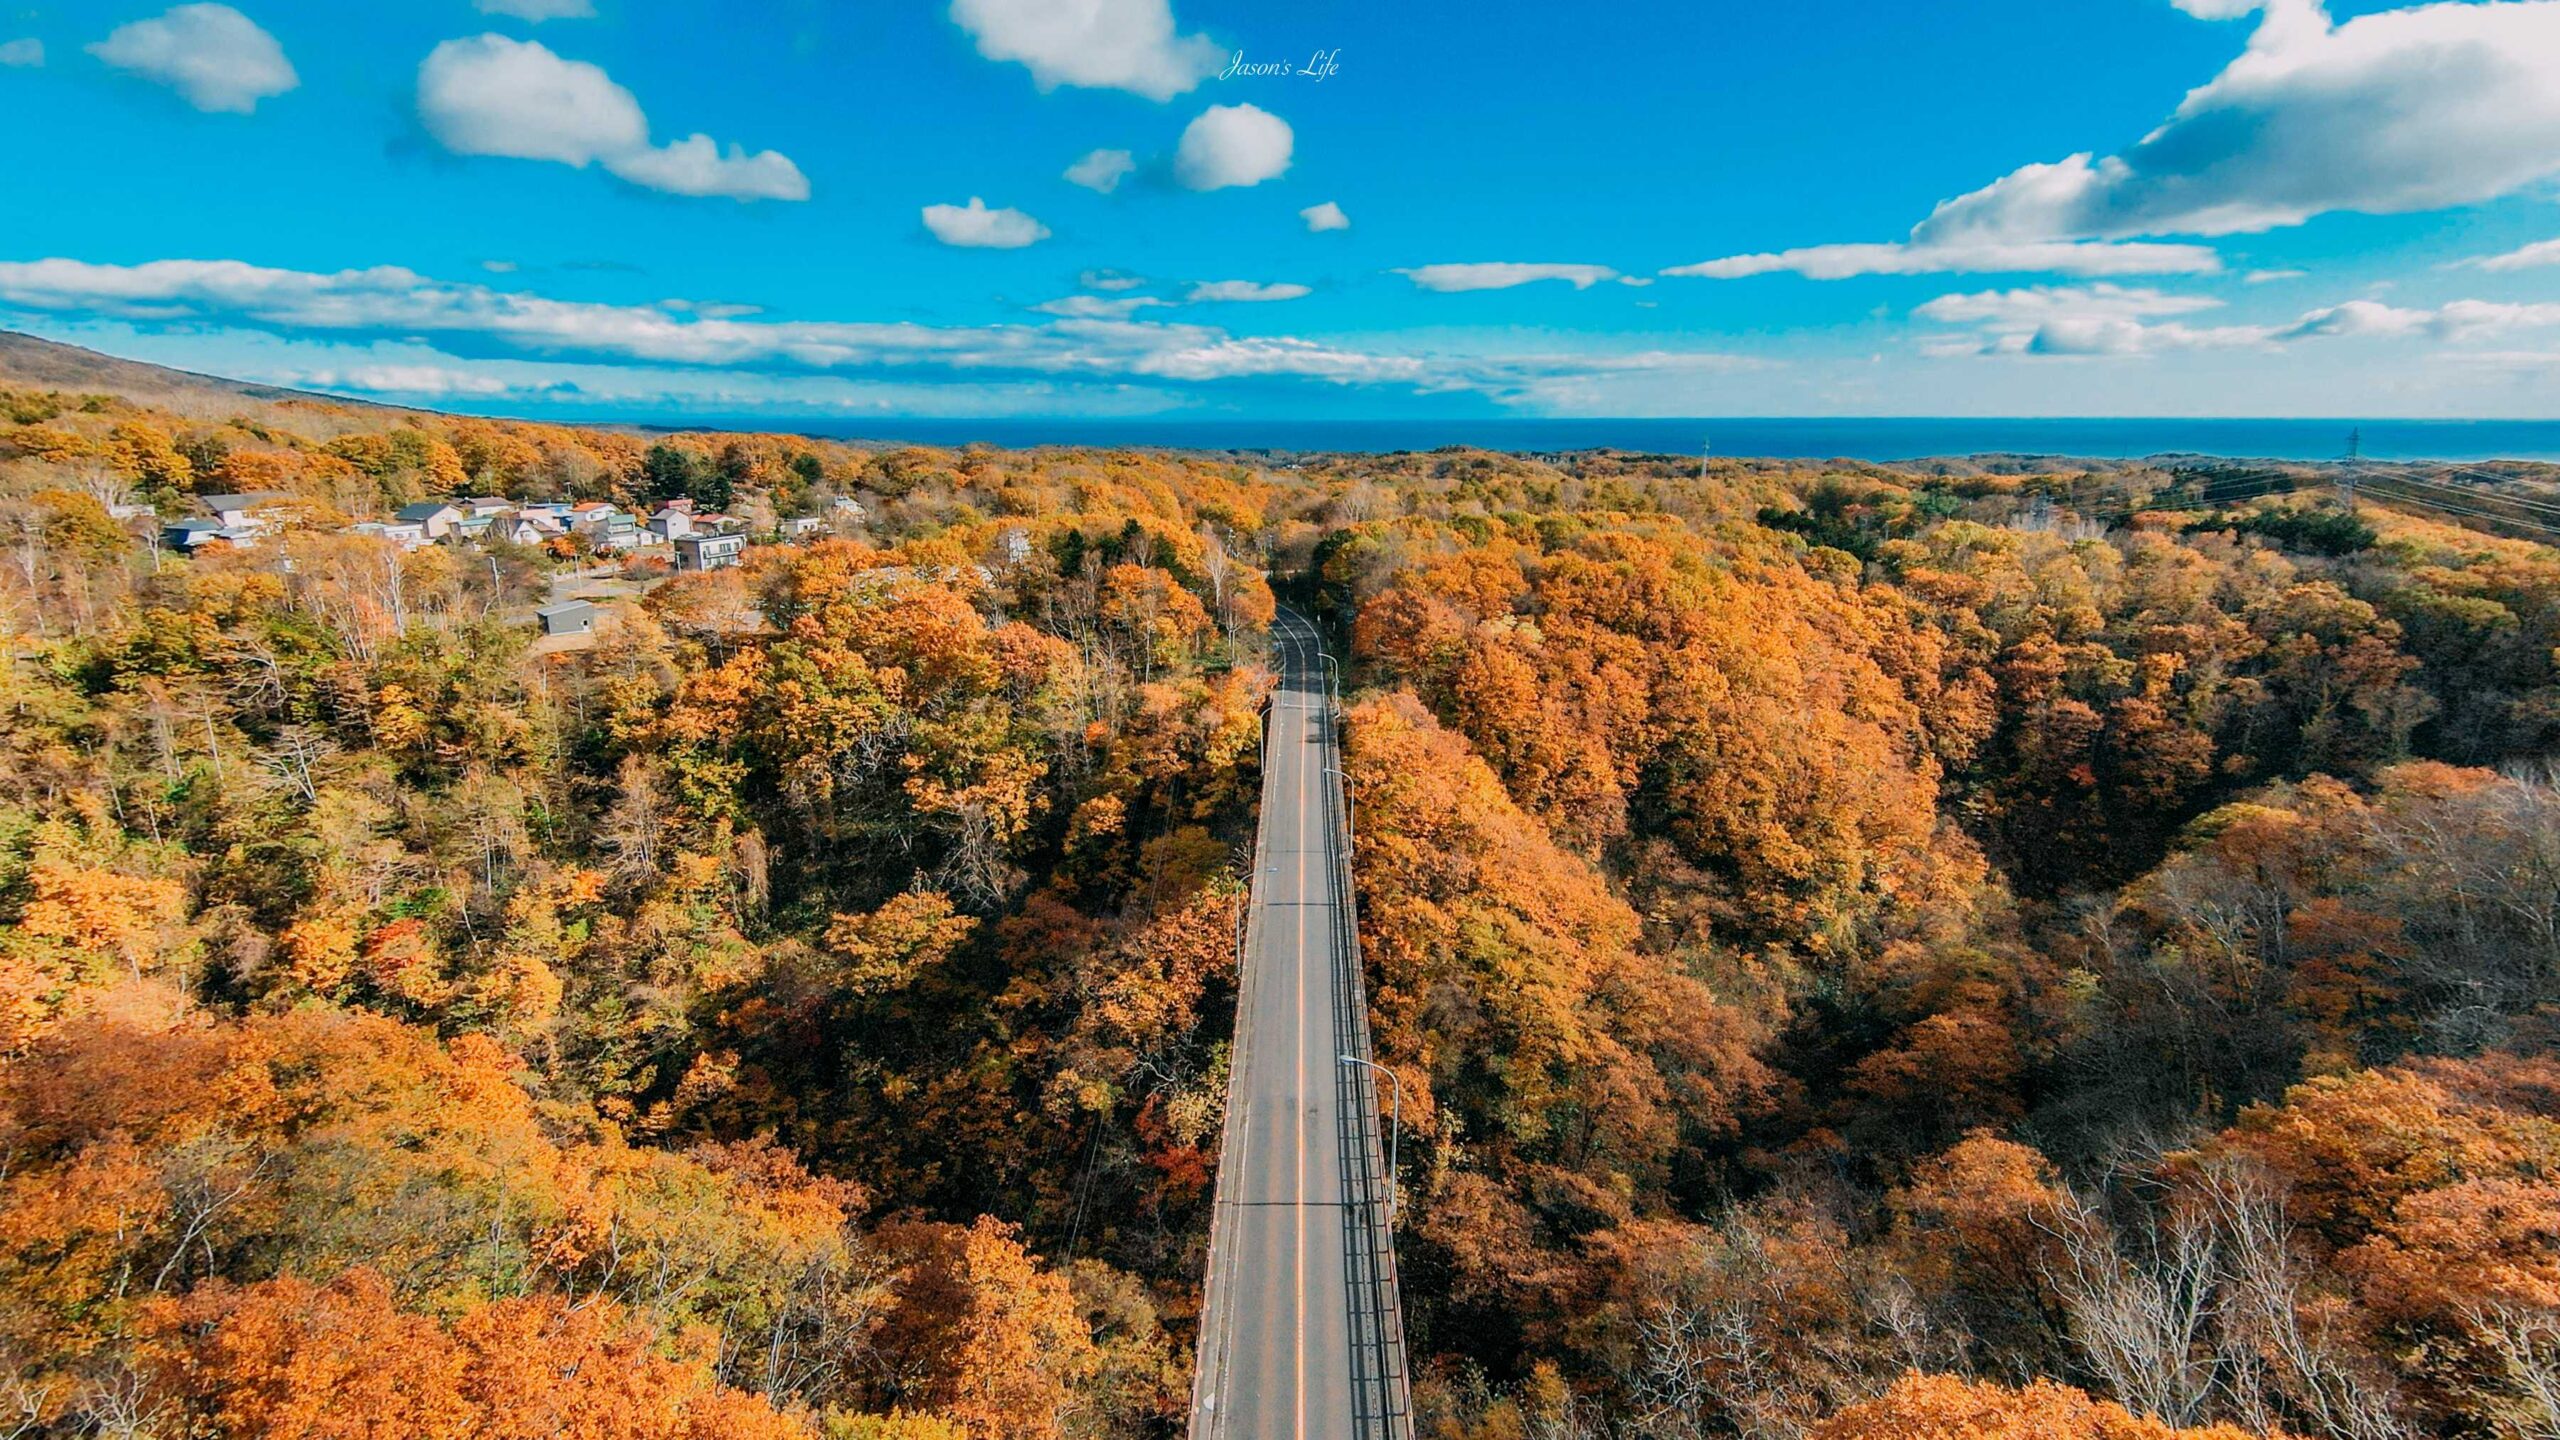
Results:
[1849, 439]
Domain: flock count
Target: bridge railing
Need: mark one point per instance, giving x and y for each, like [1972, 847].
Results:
[1381, 1387]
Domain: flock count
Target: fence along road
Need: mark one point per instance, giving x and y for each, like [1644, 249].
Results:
[1300, 1332]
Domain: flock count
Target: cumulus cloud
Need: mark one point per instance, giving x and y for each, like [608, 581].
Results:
[1205, 291]
[697, 165]
[432, 380]
[216, 58]
[1130, 45]
[489, 95]
[2107, 320]
[1110, 280]
[2420, 108]
[1098, 307]
[2061, 257]
[1327, 216]
[1235, 145]
[976, 227]
[1502, 275]
[2036, 304]
[537, 10]
[2529, 257]
[2457, 320]
[705, 349]
[1101, 171]
[24, 54]
[2099, 319]
[2413, 109]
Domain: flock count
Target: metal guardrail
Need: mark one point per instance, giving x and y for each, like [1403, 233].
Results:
[1381, 1387]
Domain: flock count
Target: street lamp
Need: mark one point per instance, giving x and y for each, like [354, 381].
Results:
[1347, 817]
[1395, 1123]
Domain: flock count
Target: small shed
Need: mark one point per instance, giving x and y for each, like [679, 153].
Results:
[569, 617]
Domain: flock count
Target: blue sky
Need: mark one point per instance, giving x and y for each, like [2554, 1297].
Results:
[801, 208]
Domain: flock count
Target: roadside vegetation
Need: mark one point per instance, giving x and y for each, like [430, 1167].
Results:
[1868, 952]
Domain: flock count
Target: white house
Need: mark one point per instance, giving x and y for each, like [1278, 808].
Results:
[709, 552]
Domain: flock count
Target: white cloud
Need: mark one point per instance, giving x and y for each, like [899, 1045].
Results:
[489, 95]
[2106, 320]
[1235, 145]
[1097, 307]
[1327, 216]
[976, 227]
[1503, 274]
[2421, 108]
[494, 96]
[1101, 171]
[212, 55]
[1110, 280]
[2529, 257]
[2062, 257]
[2026, 308]
[401, 380]
[1099, 44]
[705, 349]
[2100, 319]
[1210, 291]
[696, 165]
[537, 10]
[2457, 320]
[2269, 277]
[24, 54]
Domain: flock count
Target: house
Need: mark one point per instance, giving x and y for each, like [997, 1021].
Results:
[672, 523]
[485, 507]
[239, 512]
[188, 536]
[846, 507]
[709, 552]
[526, 527]
[803, 527]
[569, 617]
[406, 534]
[606, 525]
[435, 519]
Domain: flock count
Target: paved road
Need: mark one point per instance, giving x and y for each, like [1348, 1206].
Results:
[1299, 1336]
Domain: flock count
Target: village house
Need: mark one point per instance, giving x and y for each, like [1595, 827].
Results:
[407, 534]
[435, 519]
[607, 526]
[672, 522]
[527, 527]
[709, 552]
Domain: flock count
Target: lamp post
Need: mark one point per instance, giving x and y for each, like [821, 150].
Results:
[1395, 1123]
[1347, 817]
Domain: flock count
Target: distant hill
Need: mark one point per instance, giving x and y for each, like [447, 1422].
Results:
[30, 363]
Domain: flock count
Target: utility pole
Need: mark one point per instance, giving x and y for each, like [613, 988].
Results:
[2347, 476]
[1706, 447]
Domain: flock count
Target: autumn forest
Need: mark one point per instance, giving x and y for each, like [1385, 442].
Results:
[1870, 953]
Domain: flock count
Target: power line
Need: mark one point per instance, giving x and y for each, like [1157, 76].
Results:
[2539, 509]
